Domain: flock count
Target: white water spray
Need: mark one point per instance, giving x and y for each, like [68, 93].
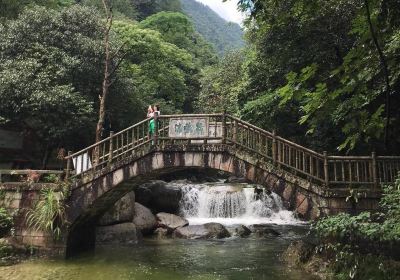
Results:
[232, 204]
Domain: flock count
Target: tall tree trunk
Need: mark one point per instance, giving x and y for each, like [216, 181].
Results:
[107, 63]
[386, 72]
[46, 156]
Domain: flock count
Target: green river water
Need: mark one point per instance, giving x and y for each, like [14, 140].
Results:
[232, 258]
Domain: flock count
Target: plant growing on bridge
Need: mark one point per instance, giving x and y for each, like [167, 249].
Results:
[48, 214]
[6, 222]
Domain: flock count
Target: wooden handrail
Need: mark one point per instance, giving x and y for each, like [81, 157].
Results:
[329, 170]
[106, 139]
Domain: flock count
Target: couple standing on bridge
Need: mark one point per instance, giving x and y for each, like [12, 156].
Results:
[151, 112]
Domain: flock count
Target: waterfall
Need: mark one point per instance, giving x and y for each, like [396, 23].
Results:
[232, 204]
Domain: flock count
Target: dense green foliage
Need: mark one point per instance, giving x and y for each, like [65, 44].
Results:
[121, 8]
[48, 76]
[315, 65]
[363, 243]
[10, 9]
[159, 69]
[177, 29]
[6, 222]
[312, 71]
[52, 63]
[223, 35]
[221, 85]
[383, 226]
[147, 8]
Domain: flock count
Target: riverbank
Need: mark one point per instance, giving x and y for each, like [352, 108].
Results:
[337, 261]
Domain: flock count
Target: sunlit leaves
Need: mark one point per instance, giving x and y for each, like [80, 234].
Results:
[46, 70]
[158, 68]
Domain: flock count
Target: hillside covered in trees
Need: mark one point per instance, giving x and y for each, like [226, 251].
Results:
[223, 35]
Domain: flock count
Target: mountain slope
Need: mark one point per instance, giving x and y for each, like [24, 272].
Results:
[221, 34]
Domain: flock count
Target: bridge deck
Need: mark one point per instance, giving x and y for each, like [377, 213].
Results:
[216, 129]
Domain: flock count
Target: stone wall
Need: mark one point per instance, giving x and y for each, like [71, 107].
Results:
[17, 198]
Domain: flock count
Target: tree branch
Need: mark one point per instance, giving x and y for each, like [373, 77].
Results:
[386, 72]
[115, 68]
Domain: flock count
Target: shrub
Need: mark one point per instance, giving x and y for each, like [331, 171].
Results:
[383, 226]
[48, 214]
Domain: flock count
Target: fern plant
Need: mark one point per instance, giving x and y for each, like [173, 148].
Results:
[48, 214]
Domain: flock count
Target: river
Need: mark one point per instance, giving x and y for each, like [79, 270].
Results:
[229, 258]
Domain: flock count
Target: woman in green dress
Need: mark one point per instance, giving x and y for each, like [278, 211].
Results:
[150, 114]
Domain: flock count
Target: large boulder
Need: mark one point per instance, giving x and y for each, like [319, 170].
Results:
[239, 230]
[206, 231]
[171, 221]
[144, 220]
[121, 212]
[159, 196]
[262, 230]
[126, 233]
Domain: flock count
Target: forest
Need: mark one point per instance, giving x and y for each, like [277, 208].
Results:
[330, 85]
[52, 60]
[324, 74]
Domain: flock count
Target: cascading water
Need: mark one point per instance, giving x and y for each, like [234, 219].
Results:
[232, 204]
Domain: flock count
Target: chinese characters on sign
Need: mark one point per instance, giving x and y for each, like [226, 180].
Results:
[188, 128]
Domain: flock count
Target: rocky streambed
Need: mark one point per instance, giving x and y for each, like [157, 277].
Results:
[172, 210]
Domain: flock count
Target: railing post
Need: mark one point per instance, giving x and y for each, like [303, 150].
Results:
[224, 127]
[68, 171]
[110, 153]
[155, 136]
[235, 131]
[274, 148]
[374, 170]
[326, 168]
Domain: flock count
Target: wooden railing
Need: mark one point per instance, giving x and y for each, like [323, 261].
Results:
[323, 169]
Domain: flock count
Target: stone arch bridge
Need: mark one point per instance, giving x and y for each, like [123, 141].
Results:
[310, 183]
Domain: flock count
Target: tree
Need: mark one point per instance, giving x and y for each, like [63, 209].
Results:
[146, 8]
[159, 69]
[356, 95]
[285, 37]
[329, 74]
[10, 9]
[48, 76]
[121, 8]
[177, 29]
[221, 85]
[107, 70]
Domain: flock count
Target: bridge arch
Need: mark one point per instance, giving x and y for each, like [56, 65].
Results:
[92, 196]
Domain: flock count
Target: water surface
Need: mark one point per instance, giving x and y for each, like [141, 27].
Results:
[232, 258]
